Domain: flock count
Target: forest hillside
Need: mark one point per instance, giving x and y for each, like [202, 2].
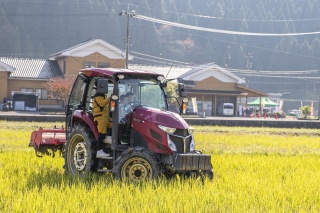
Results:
[39, 28]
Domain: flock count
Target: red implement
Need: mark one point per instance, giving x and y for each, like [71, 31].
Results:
[43, 140]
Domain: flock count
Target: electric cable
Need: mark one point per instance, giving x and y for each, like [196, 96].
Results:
[229, 32]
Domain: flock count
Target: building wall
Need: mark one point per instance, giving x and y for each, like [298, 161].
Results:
[212, 83]
[3, 85]
[74, 64]
[208, 103]
[17, 84]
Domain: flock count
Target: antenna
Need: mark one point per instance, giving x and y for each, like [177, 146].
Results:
[169, 70]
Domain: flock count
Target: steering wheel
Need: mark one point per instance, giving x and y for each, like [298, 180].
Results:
[134, 104]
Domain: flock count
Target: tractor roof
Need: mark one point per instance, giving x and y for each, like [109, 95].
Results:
[109, 72]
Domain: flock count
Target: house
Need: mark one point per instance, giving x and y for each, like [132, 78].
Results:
[28, 76]
[23, 75]
[207, 86]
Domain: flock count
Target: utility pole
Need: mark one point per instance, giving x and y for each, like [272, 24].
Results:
[228, 57]
[248, 56]
[128, 14]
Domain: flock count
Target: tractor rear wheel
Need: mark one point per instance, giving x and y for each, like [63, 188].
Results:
[80, 152]
[136, 164]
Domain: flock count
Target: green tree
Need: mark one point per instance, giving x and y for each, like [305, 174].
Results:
[305, 111]
[171, 89]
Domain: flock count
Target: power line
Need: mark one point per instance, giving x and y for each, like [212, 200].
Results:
[231, 19]
[155, 9]
[282, 76]
[253, 46]
[54, 14]
[200, 16]
[283, 72]
[255, 20]
[163, 59]
[229, 32]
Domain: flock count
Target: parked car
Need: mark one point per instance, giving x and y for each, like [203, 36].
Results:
[295, 112]
[226, 109]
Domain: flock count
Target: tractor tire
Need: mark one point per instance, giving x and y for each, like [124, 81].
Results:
[80, 152]
[137, 165]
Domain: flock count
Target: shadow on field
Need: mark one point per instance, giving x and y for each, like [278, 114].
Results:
[56, 178]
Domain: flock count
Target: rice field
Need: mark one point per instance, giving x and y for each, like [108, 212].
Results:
[256, 170]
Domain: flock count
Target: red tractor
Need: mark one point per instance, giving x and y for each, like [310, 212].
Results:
[147, 142]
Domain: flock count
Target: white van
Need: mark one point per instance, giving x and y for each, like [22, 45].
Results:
[226, 109]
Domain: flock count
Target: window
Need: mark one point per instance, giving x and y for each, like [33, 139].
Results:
[89, 64]
[43, 93]
[26, 90]
[78, 91]
[92, 91]
[103, 65]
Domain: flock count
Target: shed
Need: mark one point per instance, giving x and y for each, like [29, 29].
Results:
[25, 101]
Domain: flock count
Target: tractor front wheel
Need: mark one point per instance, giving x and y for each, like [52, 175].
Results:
[136, 164]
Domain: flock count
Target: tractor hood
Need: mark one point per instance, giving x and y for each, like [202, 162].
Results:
[160, 117]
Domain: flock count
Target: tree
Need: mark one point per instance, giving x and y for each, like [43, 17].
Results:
[305, 111]
[59, 87]
[171, 90]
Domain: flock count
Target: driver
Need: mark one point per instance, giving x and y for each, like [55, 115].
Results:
[100, 108]
[130, 97]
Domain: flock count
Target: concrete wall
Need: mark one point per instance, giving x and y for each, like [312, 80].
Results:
[277, 123]
[255, 123]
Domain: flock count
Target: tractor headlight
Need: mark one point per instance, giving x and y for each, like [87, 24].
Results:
[172, 146]
[191, 130]
[167, 129]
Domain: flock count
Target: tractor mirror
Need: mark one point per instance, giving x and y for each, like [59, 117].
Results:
[102, 86]
[182, 92]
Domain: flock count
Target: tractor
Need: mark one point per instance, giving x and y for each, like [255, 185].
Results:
[147, 142]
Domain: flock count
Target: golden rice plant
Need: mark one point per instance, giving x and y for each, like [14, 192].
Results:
[256, 170]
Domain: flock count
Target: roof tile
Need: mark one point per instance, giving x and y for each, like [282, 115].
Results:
[32, 68]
